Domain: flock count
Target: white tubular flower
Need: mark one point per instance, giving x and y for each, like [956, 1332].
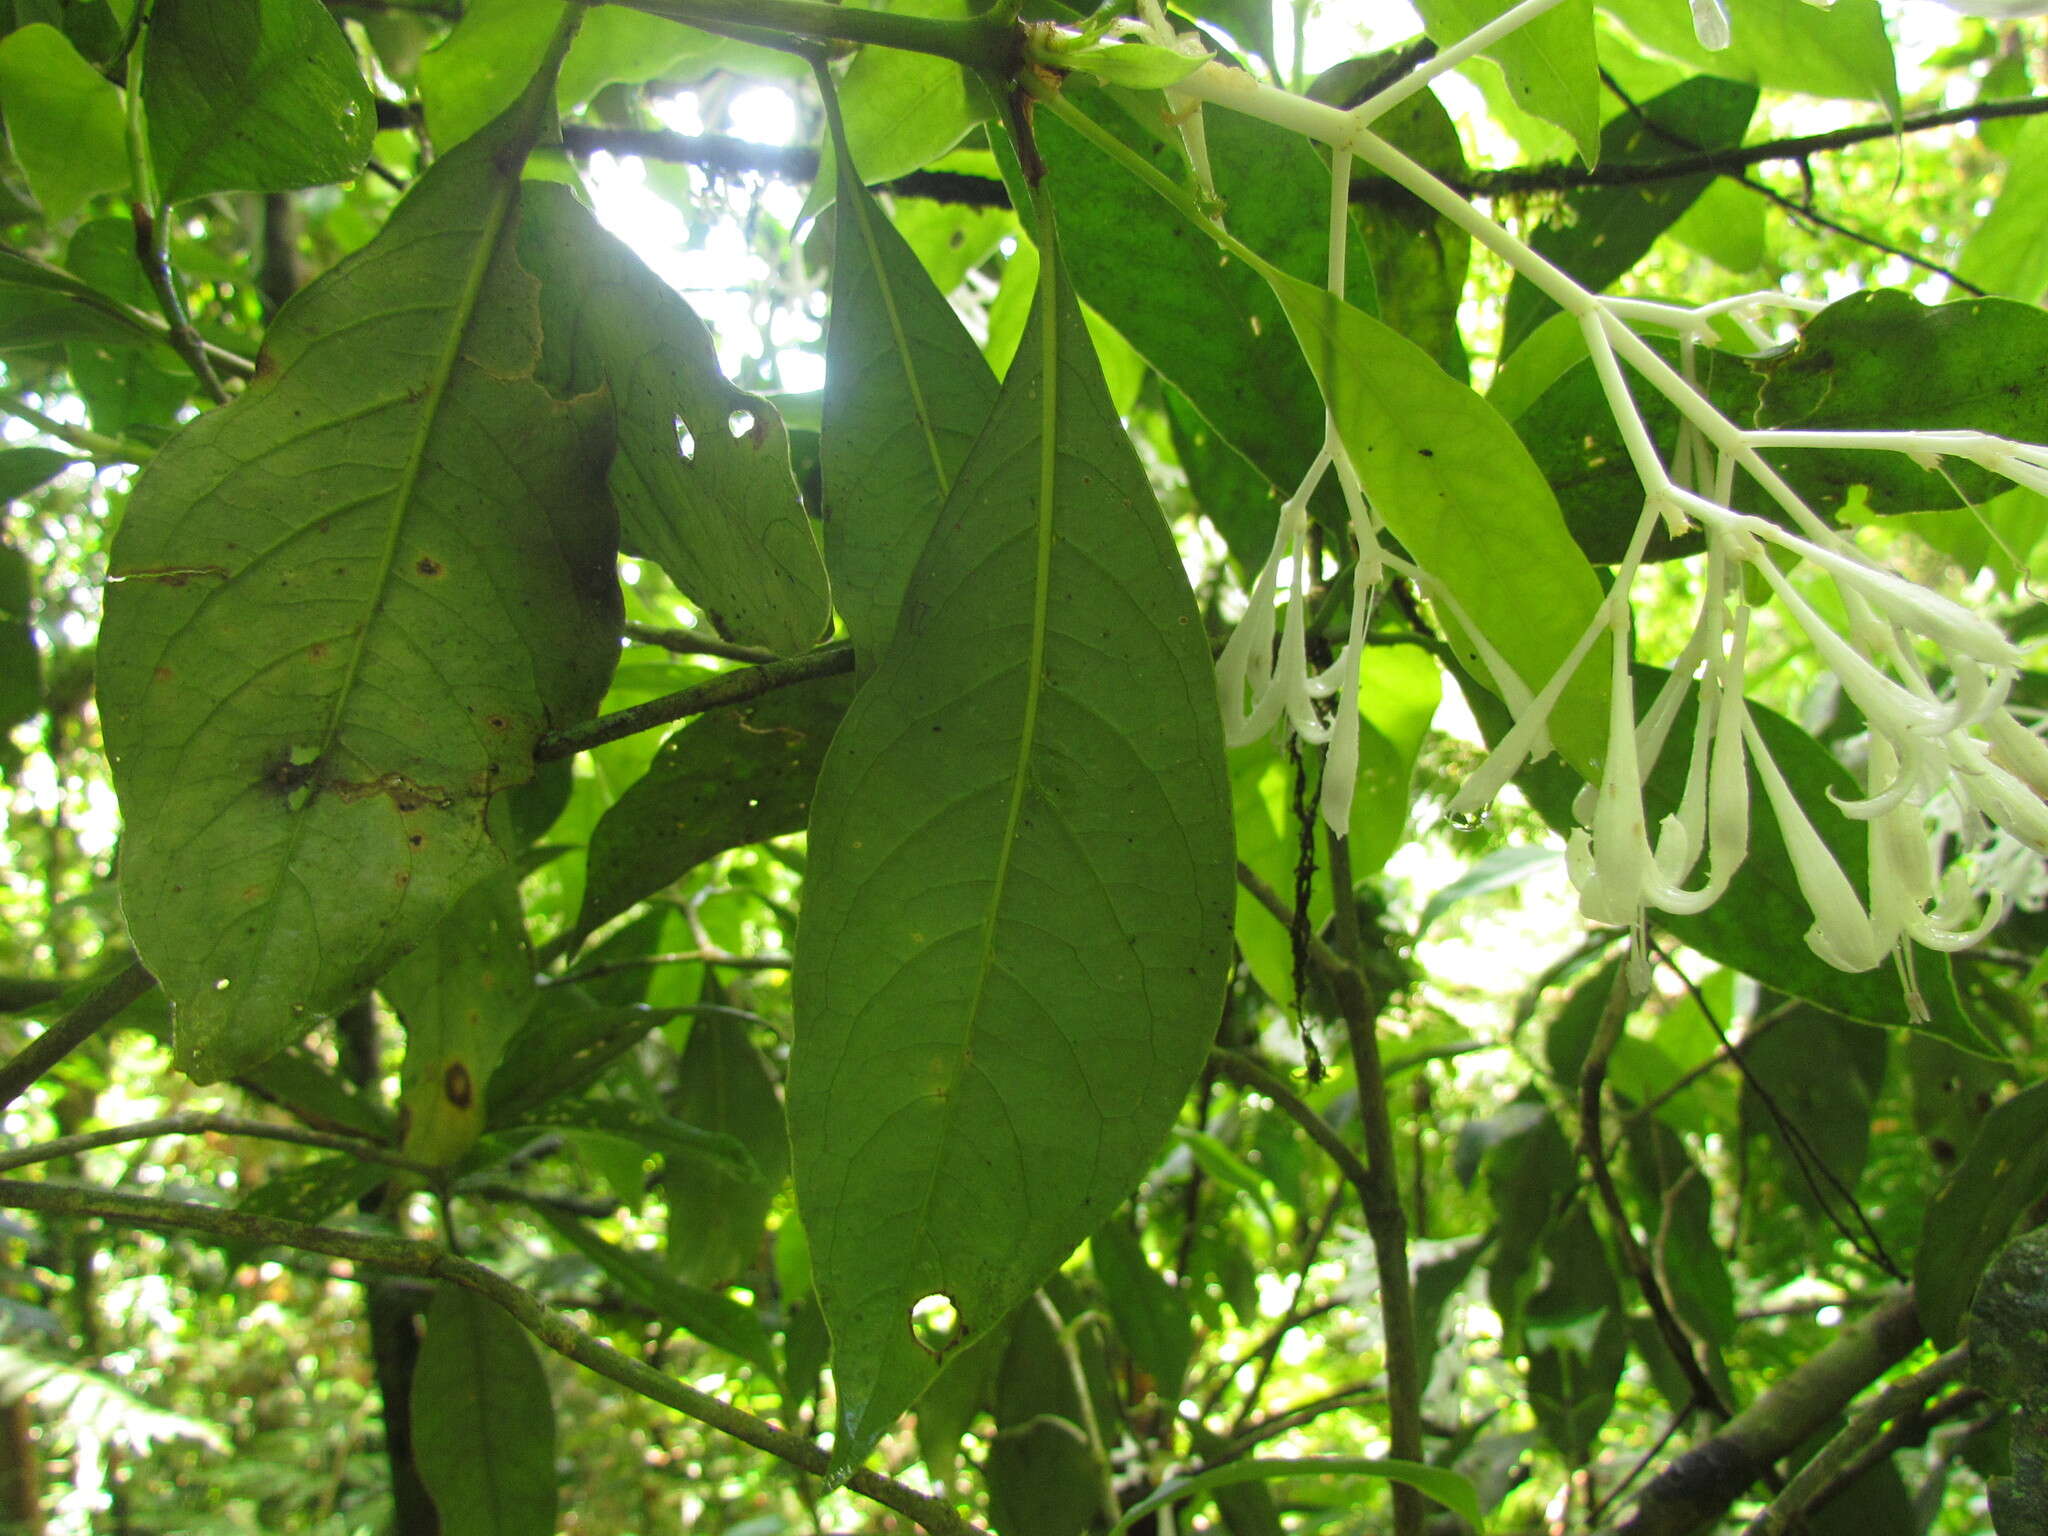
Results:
[1842, 933]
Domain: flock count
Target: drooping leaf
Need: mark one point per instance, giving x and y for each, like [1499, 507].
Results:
[1550, 62]
[1217, 338]
[565, 1046]
[40, 305]
[1599, 233]
[1456, 487]
[251, 96]
[701, 477]
[735, 776]
[343, 609]
[1439, 1483]
[1841, 51]
[462, 996]
[712, 1316]
[316, 1191]
[902, 110]
[2008, 254]
[21, 664]
[483, 1426]
[1151, 1316]
[483, 65]
[715, 1219]
[2004, 1172]
[985, 1061]
[1882, 359]
[692, 1148]
[23, 470]
[65, 122]
[906, 393]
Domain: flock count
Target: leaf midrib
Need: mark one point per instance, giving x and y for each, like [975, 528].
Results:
[1034, 685]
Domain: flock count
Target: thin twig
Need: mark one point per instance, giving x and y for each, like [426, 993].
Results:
[1805, 210]
[1327, 959]
[734, 687]
[404, 1256]
[728, 156]
[767, 962]
[695, 642]
[73, 1030]
[1592, 1082]
[1247, 1073]
[153, 250]
[205, 1122]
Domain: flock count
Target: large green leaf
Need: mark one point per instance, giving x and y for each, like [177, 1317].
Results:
[1206, 322]
[1838, 51]
[483, 1427]
[1549, 62]
[1598, 233]
[1882, 359]
[1151, 1315]
[1455, 485]
[41, 304]
[1019, 895]
[65, 122]
[702, 477]
[342, 611]
[2009, 252]
[252, 96]
[902, 110]
[735, 776]
[21, 664]
[462, 996]
[906, 393]
[2004, 1172]
[715, 1219]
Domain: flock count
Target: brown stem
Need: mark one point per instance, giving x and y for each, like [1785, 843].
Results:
[1592, 1148]
[734, 687]
[73, 1030]
[1384, 1220]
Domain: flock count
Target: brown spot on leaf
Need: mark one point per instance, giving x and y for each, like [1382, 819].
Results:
[317, 651]
[162, 674]
[456, 1084]
[428, 566]
[416, 840]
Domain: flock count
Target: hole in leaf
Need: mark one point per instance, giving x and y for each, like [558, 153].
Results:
[740, 423]
[686, 440]
[935, 1322]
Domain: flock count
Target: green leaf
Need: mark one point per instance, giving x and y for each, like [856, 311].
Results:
[985, 1062]
[1599, 233]
[66, 123]
[703, 1150]
[1447, 1488]
[617, 45]
[483, 1427]
[1151, 1316]
[2009, 252]
[1725, 224]
[715, 1220]
[316, 1191]
[1841, 51]
[1206, 322]
[482, 66]
[21, 664]
[906, 393]
[1883, 358]
[251, 96]
[702, 477]
[342, 611]
[1550, 62]
[566, 1046]
[715, 1318]
[2002, 1174]
[462, 996]
[1454, 484]
[40, 305]
[734, 776]
[901, 110]
[1135, 66]
[23, 470]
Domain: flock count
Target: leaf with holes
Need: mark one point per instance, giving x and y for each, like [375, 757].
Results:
[342, 611]
[1018, 912]
[702, 477]
[483, 1427]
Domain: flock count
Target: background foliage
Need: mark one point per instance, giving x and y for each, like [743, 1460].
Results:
[417, 647]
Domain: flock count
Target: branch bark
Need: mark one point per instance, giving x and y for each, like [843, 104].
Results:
[734, 687]
[73, 1030]
[1695, 1490]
